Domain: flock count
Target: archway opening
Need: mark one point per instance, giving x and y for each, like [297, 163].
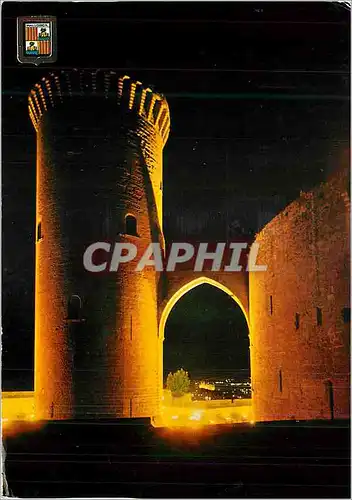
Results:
[206, 333]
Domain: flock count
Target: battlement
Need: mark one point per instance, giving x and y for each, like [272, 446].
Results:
[58, 87]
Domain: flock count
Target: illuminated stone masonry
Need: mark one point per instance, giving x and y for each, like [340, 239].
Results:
[99, 177]
[300, 308]
[99, 337]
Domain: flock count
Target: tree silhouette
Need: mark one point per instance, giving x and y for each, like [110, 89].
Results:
[178, 383]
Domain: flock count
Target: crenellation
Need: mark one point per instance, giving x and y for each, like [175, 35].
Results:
[163, 123]
[81, 83]
[160, 115]
[75, 79]
[156, 111]
[151, 108]
[32, 117]
[67, 81]
[87, 81]
[165, 129]
[33, 111]
[58, 86]
[143, 96]
[41, 95]
[107, 84]
[131, 94]
[306, 249]
[47, 85]
[33, 105]
[36, 100]
[126, 95]
[148, 101]
[121, 85]
[71, 222]
[94, 83]
[138, 97]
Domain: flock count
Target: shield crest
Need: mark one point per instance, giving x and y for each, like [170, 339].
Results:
[36, 39]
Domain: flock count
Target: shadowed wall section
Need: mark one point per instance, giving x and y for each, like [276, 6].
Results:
[99, 336]
[99, 160]
[299, 308]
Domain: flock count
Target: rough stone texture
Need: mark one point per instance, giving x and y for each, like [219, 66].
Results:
[235, 283]
[306, 248]
[99, 158]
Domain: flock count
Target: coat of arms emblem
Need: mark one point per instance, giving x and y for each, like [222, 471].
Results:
[36, 39]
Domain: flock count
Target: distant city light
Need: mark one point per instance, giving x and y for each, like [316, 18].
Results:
[196, 415]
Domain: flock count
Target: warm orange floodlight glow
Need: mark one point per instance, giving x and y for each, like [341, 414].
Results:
[186, 288]
[196, 415]
[176, 297]
[124, 381]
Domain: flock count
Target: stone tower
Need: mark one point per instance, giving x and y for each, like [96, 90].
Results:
[100, 139]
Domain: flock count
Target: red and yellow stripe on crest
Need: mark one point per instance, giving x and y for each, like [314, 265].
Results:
[31, 33]
[44, 47]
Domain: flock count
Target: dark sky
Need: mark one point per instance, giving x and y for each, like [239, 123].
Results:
[258, 94]
[206, 334]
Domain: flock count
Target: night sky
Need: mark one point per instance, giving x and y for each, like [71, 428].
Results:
[259, 102]
[206, 334]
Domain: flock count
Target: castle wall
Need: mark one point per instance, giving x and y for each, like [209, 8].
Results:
[300, 354]
[99, 159]
[235, 282]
